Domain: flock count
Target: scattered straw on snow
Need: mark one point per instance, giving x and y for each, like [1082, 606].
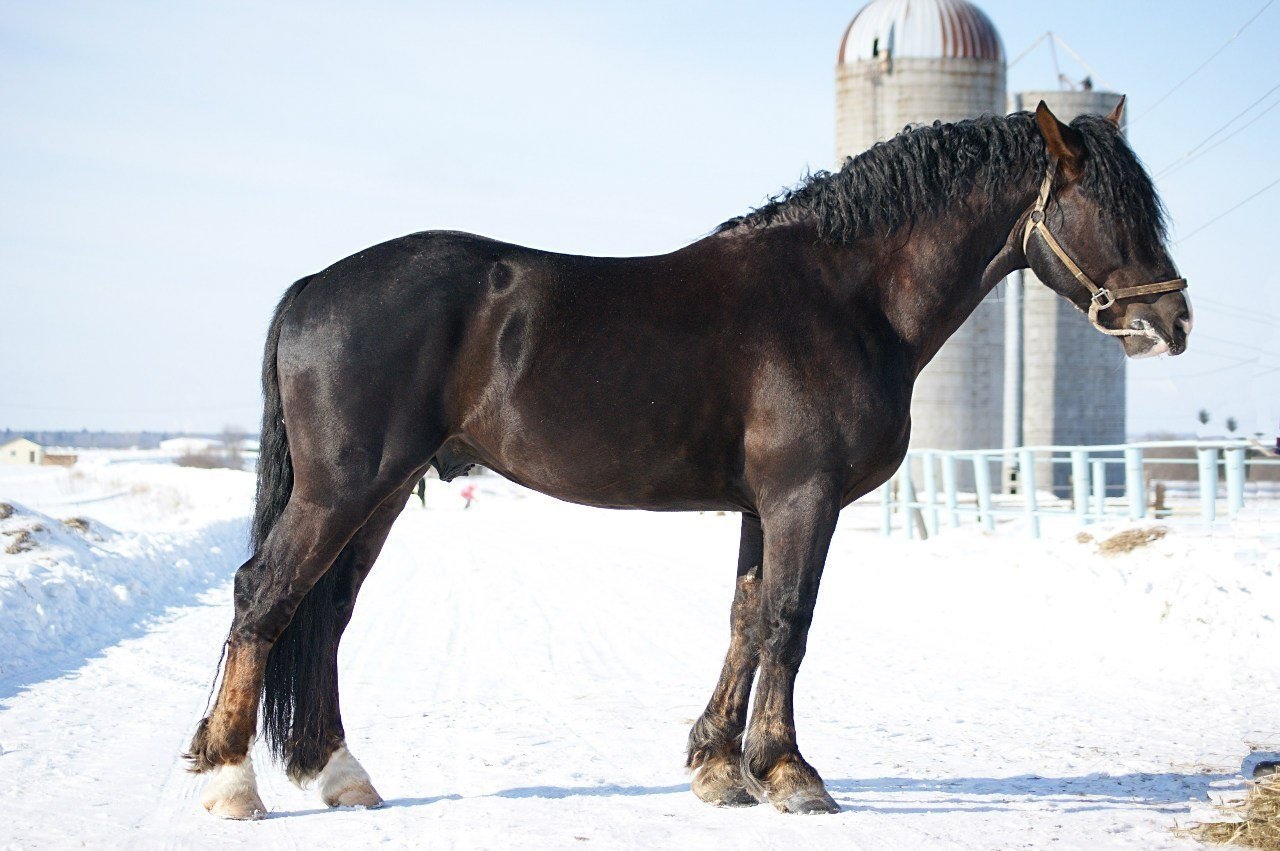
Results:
[77, 524]
[20, 543]
[1253, 822]
[1126, 541]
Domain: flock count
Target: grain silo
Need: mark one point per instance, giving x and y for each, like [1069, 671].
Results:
[916, 61]
[1073, 378]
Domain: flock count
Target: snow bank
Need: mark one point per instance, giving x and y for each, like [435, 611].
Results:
[71, 584]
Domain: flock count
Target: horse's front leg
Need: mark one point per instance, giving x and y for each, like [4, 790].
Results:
[715, 742]
[797, 532]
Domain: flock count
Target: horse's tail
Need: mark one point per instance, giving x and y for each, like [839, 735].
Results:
[275, 467]
[296, 665]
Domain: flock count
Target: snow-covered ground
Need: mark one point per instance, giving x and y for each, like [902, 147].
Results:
[523, 674]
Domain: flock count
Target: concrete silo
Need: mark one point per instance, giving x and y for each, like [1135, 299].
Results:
[916, 61]
[1073, 378]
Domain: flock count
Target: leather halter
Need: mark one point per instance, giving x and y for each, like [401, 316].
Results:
[1100, 297]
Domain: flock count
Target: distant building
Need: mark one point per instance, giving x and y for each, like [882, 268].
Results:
[189, 445]
[1032, 370]
[907, 62]
[22, 451]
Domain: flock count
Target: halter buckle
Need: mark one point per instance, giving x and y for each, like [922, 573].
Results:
[1103, 298]
[1037, 216]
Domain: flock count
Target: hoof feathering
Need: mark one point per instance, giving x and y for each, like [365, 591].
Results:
[232, 793]
[719, 783]
[345, 783]
[792, 786]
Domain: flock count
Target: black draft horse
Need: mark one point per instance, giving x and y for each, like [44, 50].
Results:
[765, 369]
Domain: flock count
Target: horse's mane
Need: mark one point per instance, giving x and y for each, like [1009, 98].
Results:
[928, 170]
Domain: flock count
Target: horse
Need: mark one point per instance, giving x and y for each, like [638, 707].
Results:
[765, 369]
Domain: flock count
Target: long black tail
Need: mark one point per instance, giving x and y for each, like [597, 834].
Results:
[300, 687]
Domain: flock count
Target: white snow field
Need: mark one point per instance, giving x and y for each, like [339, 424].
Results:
[522, 674]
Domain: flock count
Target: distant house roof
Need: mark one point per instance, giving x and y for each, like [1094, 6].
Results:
[21, 441]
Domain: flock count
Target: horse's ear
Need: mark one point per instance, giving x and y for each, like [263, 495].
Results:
[1117, 113]
[1065, 143]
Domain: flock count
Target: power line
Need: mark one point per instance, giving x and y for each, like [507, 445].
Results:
[1030, 47]
[1235, 314]
[1236, 343]
[1226, 368]
[1227, 211]
[1191, 154]
[1061, 41]
[1244, 312]
[1202, 65]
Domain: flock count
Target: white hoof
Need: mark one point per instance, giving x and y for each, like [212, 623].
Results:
[233, 792]
[345, 783]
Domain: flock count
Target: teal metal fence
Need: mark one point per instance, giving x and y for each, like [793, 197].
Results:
[921, 507]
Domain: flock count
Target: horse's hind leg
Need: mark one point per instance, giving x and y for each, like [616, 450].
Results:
[268, 589]
[715, 742]
[318, 746]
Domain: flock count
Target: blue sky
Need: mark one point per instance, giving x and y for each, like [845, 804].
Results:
[167, 169]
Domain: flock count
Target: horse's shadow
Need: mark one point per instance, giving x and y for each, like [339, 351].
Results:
[1158, 792]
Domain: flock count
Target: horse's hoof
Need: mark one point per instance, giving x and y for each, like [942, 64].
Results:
[239, 809]
[732, 796]
[357, 795]
[233, 793]
[808, 803]
[792, 786]
[719, 782]
[345, 783]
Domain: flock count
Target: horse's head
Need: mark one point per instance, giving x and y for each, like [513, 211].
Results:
[1096, 236]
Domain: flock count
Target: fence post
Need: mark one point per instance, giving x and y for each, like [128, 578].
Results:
[1099, 488]
[886, 508]
[1027, 484]
[982, 484]
[931, 488]
[1080, 483]
[1208, 458]
[907, 497]
[1134, 490]
[1235, 479]
[949, 486]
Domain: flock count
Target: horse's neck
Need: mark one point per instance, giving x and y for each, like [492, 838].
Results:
[948, 265]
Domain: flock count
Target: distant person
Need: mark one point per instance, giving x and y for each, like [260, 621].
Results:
[468, 493]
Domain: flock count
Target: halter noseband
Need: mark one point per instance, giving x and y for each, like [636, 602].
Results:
[1100, 297]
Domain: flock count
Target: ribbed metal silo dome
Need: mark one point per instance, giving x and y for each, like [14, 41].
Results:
[917, 61]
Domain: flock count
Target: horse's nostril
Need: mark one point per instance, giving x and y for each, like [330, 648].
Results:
[1184, 322]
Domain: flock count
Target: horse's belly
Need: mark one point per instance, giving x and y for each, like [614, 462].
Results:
[617, 476]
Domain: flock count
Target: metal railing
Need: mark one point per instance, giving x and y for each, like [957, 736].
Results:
[922, 511]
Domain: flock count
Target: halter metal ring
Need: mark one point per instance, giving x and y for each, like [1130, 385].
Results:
[1103, 298]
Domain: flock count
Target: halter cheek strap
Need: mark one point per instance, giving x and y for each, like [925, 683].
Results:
[1100, 297]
